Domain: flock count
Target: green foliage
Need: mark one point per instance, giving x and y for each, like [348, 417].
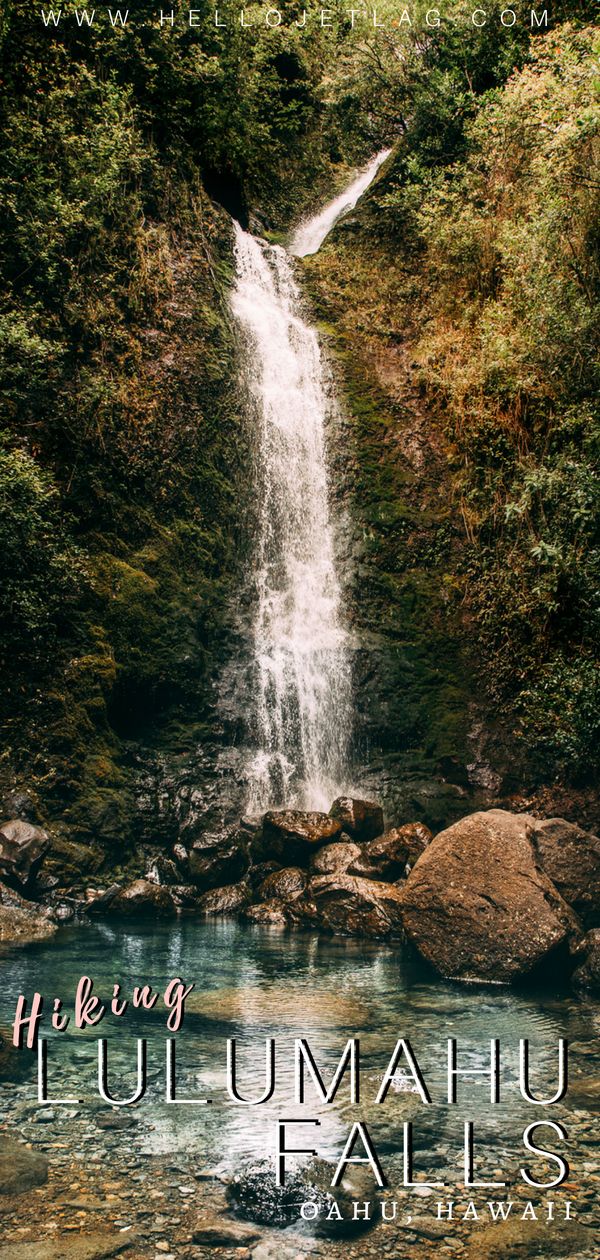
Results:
[41, 573]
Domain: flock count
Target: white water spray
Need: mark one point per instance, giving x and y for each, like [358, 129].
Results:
[309, 237]
[302, 679]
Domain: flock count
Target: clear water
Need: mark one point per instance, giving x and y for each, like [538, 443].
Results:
[253, 983]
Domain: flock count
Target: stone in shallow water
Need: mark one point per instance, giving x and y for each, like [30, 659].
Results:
[293, 834]
[516, 1240]
[270, 913]
[21, 927]
[143, 898]
[227, 900]
[362, 820]
[352, 906]
[218, 1231]
[281, 1006]
[82, 1247]
[254, 1195]
[20, 1168]
[477, 906]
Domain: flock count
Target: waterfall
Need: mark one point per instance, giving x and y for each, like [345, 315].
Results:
[301, 695]
[310, 235]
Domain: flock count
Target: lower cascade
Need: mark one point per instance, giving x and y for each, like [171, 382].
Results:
[301, 688]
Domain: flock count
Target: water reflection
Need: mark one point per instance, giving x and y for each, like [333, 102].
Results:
[254, 983]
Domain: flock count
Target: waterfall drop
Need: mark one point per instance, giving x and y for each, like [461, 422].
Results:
[301, 695]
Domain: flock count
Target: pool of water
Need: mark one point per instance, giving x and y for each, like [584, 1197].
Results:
[253, 983]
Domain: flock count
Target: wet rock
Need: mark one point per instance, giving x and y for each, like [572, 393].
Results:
[22, 851]
[96, 1246]
[417, 836]
[587, 975]
[143, 898]
[23, 927]
[20, 1168]
[271, 913]
[97, 902]
[361, 820]
[477, 906]
[258, 873]
[285, 885]
[14, 1063]
[215, 860]
[352, 906]
[293, 835]
[334, 858]
[218, 1231]
[570, 857]
[384, 858]
[186, 896]
[516, 1240]
[254, 1195]
[163, 871]
[226, 900]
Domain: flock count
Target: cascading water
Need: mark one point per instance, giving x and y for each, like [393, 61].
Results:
[301, 653]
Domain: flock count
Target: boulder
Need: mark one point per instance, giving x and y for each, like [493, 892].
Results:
[587, 975]
[14, 1063]
[254, 1195]
[334, 859]
[217, 1231]
[293, 835]
[352, 906]
[570, 857]
[270, 913]
[258, 873]
[285, 885]
[384, 858]
[215, 860]
[93, 1246]
[516, 1239]
[143, 898]
[20, 1168]
[24, 927]
[22, 851]
[226, 900]
[362, 820]
[477, 906]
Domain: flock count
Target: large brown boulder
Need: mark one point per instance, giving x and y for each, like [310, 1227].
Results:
[334, 858]
[142, 898]
[22, 851]
[570, 857]
[362, 820]
[477, 906]
[293, 834]
[352, 906]
[286, 884]
[227, 900]
[587, 975]
[215, 860]
[384, 858]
